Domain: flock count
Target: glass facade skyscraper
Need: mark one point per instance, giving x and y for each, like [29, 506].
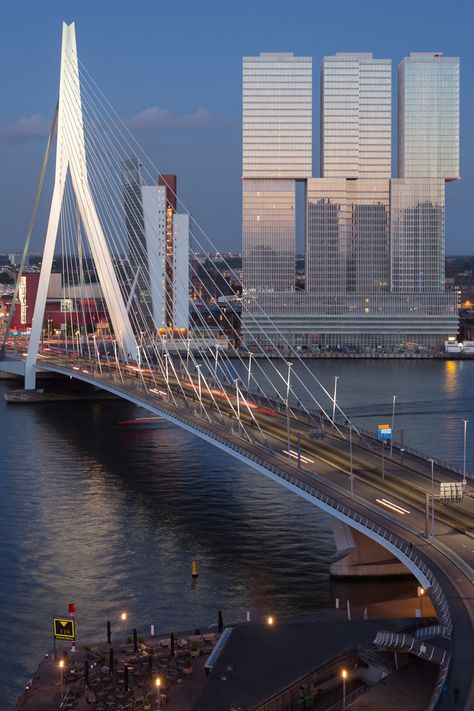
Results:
[277, 116]
[269, 235]
[356, 116]
[374, 245]
[428, 116]
[417, 234]
[347, 235]
[277, 150]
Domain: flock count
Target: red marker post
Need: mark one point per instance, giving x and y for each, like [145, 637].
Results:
[72, 613]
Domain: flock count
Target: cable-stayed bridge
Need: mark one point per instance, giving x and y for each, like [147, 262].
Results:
[125, 329]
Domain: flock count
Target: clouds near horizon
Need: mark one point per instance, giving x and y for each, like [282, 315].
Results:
[147, 121]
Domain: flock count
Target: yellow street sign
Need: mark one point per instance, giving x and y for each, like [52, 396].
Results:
[384, 427]
[64, 628]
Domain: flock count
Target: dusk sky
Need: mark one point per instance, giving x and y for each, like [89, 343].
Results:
[172, 70]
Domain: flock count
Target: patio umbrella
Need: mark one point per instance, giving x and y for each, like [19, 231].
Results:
[172, 645]
[111, 660]
[135, 640]
[220, 622]
[86, 672]
[108, 632]
[125, 678]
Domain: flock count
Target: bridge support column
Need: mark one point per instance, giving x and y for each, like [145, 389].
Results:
[357, 556]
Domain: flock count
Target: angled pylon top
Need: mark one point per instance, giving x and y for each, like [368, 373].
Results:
[71, 158]
[70, 108]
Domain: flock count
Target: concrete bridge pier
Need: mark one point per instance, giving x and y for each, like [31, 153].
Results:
[358, 556]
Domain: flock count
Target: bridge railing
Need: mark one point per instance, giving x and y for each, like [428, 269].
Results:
[410, 450]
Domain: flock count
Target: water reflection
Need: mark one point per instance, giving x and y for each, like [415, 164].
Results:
[451, 380]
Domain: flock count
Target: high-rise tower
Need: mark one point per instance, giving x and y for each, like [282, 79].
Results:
[277, 125]
[428, 116]
[428, 155]
[356, 116]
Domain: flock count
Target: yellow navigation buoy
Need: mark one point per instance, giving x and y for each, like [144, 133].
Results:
[194, 569]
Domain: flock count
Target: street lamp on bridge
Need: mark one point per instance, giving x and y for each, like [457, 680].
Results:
[464, 481]
[289, 364]
[336, 378]
[393, 424]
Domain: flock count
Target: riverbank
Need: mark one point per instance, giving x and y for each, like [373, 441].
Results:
[123, 675]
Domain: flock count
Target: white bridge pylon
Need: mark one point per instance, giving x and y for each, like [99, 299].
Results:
[71, 158]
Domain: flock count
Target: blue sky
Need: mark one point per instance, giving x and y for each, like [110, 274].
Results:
[173, 69]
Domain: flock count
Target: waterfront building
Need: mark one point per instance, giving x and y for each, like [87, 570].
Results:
[374, 245]
[277, 151]
[347, 236]
[356, 116]
[428, 116]
[158, 241]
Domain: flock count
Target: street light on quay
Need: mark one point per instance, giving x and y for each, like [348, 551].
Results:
[344, 678]
[61, 667]
[158, 689]
[464, 481]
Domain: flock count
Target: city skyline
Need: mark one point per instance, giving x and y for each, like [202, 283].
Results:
[191, 125]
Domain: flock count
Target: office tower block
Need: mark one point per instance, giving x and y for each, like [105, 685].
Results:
[269, 226]
[356, 116]
[417, 234]
[277, 116]
[374, 245]
[158, 257]
[347, 235]
[277, 125]
[428, 116]
[170, 183]
[180, 307]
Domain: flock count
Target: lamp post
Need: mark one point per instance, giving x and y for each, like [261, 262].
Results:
[114, 343]
[61, 667]
[167, 374]
[289, 364]
[198, 368]
[421, 592]
[216, 361]
[344, 677]
[236, 381]
[158, 694]
[97, 354]
[188, 347]
[432, 503]
[336, 378]
[464, 459]
[350, 459]
[383, 460]
[393, 424]
[123, 619]
[249, 372]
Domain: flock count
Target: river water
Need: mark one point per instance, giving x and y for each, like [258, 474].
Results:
[111, 515]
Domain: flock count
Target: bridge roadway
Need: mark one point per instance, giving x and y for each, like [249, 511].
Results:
[323, 479]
